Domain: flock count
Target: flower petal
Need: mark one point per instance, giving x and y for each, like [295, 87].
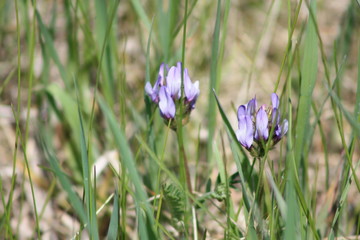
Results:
[161, 76]
[153, 93]
[148, 89]
[277, 132]
[275, 100]
[262, 131]
[173, 81]
[166, 104]
[245, 132]
[284, 127]
[251, 106]
[275, 116]
[191, 90]
[241, 111]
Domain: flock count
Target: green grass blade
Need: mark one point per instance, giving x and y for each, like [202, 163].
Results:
[291, 225]
[341, 203]
[179, 27]
[7, 80]
[74, 199]
[153, 169]
[308, 78]
[175, 180]
[140, 11]
[353, 122]
[49, 43]
[147, 221]
[9, 233]
[214, 86]
[166, 23]
[279, 198]
[23, 144]
[305, 208]
[243, 168]
[244, 187]
[357, 101]
[114, 220]
[101, 27]
[89, 197]
[245, 164]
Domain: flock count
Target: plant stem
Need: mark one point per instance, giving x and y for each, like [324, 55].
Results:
[184, 169]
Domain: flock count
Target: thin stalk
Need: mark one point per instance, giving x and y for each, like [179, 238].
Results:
[31, 71]
[183, 161]
[22, 200]
[22, 141]
[13, 178]
[184, 170]
[159, 170]
[333, 104]
[98, 73]
[291, 27]
[123, 201]
[158, 210]
[158, 179]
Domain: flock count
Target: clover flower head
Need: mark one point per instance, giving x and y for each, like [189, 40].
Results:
[153, 92]
[166, 92]
[255, 125]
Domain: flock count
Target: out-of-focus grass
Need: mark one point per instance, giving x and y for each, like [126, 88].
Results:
[74, 149]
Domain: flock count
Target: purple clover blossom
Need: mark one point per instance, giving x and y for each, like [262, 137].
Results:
[255, 125]
[262, 121]
[279, 130]
[166, 104]
[166, 92]
[275, 100]
[173, 81]
[191, 90]
[251, 106]
[245, 132]
[153, 92]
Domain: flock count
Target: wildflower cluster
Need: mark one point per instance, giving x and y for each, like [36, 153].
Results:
[256, 125]
[166, 92]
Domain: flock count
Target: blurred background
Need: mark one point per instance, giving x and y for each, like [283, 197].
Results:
[47, 46]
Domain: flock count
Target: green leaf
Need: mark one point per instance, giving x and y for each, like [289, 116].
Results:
[49, 43]
[146, 218]
[246, 166]
[214, 81]
[140, 11]
[309, 70]
[175, 198]
[89, 196]
[74, 199]
[114, 220]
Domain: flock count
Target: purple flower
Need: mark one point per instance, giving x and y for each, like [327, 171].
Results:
[173, 81]
[262, 120]
[275, 100]
[166, 104]
[281, 130]
[251, 106]
[153, 92]
[191, 90]
[275, 117]
[162, 72]
[167, 92]
[245, 132]
[255, 125]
